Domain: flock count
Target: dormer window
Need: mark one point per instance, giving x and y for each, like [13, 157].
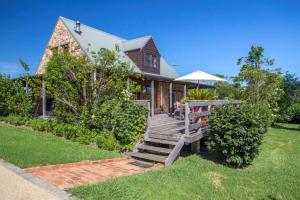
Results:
[147, 60]
[150, 60]
[154, 61]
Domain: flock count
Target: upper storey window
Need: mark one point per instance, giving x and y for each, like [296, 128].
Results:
[150, 60]
[147, 60]
[154, 61]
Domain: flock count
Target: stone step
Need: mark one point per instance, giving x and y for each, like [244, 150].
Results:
[155, 149]
[149, 156]
[160, 141]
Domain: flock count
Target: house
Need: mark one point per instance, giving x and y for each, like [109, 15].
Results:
[142, 53]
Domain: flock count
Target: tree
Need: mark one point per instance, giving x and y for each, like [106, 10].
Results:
[291, 90]
[261, 85]
[77, 84]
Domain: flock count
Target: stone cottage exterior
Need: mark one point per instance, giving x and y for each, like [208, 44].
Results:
[158, 84]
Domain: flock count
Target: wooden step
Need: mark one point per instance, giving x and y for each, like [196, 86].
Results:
[174, 137]
[167, 130]
[160, 141]
[181, 123]
[141, 163]
[155, 122]
[153, 148]
[149, 156]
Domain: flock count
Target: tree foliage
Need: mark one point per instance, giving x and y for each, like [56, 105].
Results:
[96, 94]
[261, 85]
[291, 91]
[13, 98]
[86, 82]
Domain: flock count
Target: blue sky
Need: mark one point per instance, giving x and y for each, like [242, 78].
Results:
[207, 35]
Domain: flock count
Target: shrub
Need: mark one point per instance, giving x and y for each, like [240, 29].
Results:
[129, 122]
[21, 103]
[237, 132]
[201, 94]
[293, 113]
[40, 124]
[85, 136]
[58, 129]
[15, 120]
[106, 140]
[5, 92]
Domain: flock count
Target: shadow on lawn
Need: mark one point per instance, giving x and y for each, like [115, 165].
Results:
[279, 126]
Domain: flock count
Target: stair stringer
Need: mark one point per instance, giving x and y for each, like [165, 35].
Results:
[175, 152]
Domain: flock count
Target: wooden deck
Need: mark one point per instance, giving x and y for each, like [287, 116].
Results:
[165, 135]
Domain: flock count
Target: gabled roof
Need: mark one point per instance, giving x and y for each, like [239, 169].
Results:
[137, 43]
[94, 40]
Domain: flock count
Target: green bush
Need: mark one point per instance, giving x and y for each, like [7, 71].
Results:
[127, 120]
[129, 123]
[74, 132]
[15, 120]
[85, 136]
[5, 92]
[237, 132]
[293, 113]
[106, 140]
[40, 124]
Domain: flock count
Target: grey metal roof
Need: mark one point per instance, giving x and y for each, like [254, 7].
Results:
[137, 43]
[94, 39]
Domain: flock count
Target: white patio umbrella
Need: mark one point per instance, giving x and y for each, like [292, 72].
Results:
[199, 76]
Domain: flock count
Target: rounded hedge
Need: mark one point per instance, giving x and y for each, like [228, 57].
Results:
[237, 131]
[293, 113]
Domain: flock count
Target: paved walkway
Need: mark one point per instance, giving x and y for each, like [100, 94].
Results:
[86, 172]
[15, 184]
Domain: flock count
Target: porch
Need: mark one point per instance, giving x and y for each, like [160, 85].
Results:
[163, 94]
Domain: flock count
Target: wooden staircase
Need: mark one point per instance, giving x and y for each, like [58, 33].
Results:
[162, 143]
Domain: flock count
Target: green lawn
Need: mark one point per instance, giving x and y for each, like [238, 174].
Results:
[25, 148]
[275, 174]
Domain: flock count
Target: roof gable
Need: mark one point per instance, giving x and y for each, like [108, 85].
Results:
[94, 39]
[138, 43]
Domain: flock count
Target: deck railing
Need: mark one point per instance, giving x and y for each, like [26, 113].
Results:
[197, 112]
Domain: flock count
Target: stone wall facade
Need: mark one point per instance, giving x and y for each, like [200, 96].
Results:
[61, 39]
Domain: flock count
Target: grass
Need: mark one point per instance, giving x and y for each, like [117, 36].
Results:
[26, 148]
[274, 174]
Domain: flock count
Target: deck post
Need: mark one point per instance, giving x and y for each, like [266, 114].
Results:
[196, 146]
[149, 110]
[186, 118]
[152, 98]
[128, 83]
[161, 96]
[184, 91]
[171, 100]
[44, 97]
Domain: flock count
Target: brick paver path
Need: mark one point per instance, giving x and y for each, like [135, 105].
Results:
[86, 172]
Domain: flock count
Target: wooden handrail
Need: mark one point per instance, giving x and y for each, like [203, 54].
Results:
[193, 120]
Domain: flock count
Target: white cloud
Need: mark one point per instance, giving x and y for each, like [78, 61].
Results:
[10, 68]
